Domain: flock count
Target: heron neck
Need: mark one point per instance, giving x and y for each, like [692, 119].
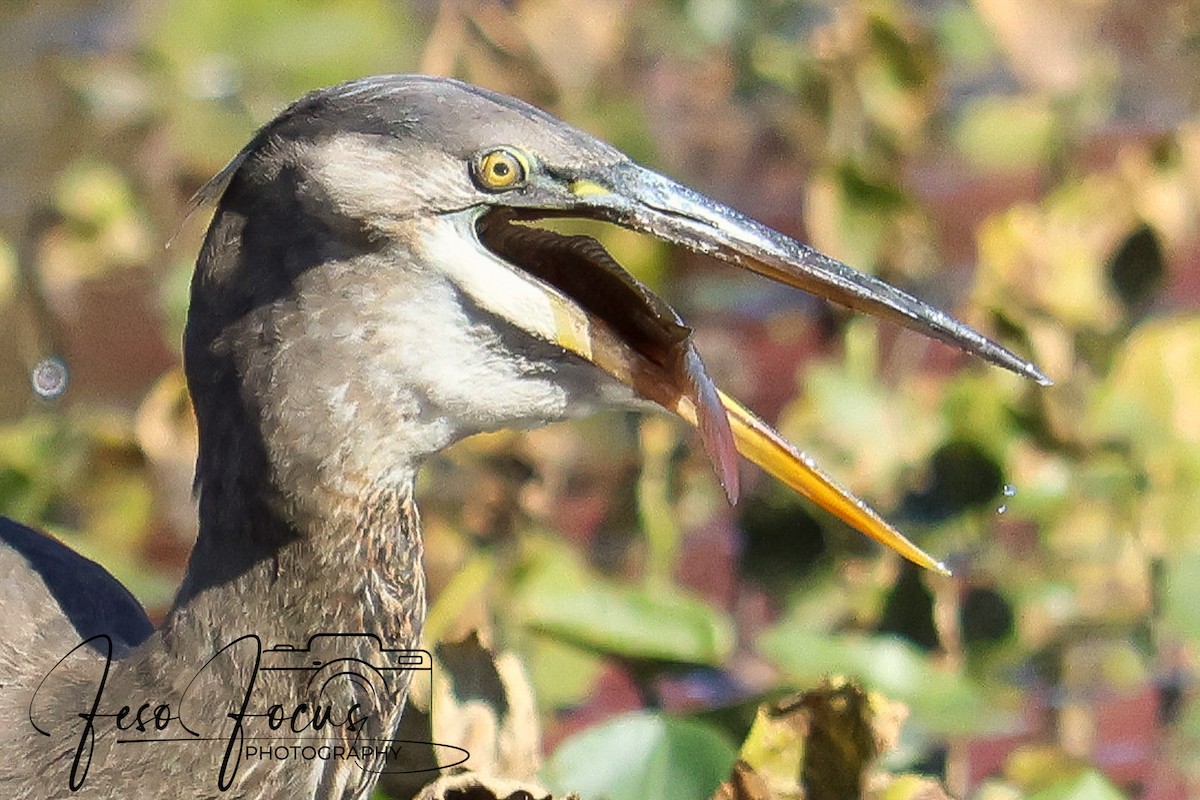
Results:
[330, 564]
[354, 569]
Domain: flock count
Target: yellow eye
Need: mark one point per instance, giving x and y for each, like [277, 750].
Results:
[501, 169]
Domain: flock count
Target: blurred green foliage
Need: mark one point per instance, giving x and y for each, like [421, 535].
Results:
[658, 757]
[1034, 165]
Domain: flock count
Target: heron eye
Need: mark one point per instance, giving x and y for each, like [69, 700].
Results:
[500, 169]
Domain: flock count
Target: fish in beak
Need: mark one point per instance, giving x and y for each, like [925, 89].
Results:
[456, 177]
[606, 316]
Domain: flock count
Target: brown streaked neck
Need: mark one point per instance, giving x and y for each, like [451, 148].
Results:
[288, 563]
[356, 570]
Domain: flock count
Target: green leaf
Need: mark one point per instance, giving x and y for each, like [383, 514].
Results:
[638, 622]
[642, 756]
[1181, 595]
[1090, 785]
[1006, 133]
[1149, 397]
[904, 59]
[944, 701]
[258, 41]
[563, 674]
[774, 748]
[964, 41]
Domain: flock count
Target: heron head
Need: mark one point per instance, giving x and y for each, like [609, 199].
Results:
[374, 286]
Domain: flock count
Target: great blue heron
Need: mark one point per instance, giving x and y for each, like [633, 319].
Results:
[370, 291]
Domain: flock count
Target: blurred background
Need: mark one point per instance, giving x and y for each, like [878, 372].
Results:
[1032, 165]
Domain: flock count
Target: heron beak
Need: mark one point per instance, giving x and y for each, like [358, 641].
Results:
[645, 201]
[603, 314]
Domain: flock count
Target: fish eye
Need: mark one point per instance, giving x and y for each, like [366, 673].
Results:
[500, 169]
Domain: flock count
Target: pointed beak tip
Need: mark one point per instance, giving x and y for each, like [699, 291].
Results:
[1023, 367]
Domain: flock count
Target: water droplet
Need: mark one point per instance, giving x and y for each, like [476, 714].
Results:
[49, 378]
[1008, 491]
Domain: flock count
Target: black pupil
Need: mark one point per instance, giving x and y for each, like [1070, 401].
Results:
[500, 169]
